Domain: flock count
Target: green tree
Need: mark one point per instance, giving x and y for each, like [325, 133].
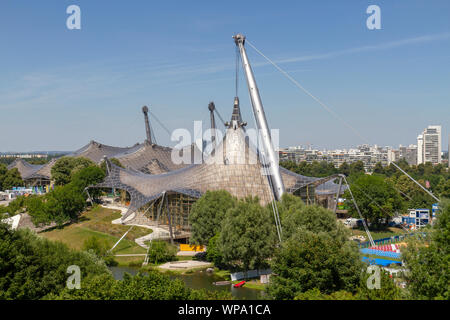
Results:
[377, 199]
[315, 254]
[213, 253]
[18, 205]
[101, 248]
[357, 168]
[315, 294]
[390, 170]
[149, 286]
[412, 194]
[64, 167]
[86, 177]
[344, 168]
[37, 209]
[247, 237]
[378, 169]
[3, 171]
[314, 169]
[387, 291]
[309, 260]
[61, 205]
[12, 179]
[160, 251]
[32, 267]
[428, 259]
[94, 287]
[296, 216]
[65, 203]
[207, 215]
[444, 190]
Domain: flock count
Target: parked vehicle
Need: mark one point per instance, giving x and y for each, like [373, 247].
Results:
[353, 223]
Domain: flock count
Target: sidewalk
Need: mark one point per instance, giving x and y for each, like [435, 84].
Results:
[158, 232]
[184, 265]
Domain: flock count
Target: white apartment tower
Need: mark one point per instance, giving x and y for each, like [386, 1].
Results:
[429, 145]
[419, 149]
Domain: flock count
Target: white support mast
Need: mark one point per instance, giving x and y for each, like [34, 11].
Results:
[261, 120]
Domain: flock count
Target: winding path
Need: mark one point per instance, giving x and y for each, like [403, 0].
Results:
[158, 232]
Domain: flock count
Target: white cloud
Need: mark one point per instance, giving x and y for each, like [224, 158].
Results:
[381, 46]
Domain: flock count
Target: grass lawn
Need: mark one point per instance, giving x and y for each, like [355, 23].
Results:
[130, 261]
[224, 274]
[389, 232]
[97, 222]
[252, 284]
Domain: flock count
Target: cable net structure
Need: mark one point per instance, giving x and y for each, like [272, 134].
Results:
[147, 157]
[33, 174]
[96, 151]
[234, 166]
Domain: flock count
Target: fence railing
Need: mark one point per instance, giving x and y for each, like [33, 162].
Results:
[390, 240]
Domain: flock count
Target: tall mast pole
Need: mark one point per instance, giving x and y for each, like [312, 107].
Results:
[147, 124]
[211, 108]
[261, 120]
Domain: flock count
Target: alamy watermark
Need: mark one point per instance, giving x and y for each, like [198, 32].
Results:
[74, 280]
[374, 280]
[373, 22]
[74, 20]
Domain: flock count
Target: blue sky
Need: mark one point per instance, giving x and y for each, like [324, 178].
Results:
[61, 88]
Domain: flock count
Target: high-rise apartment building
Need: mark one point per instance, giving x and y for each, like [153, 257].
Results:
[429, 145]
[419, 149]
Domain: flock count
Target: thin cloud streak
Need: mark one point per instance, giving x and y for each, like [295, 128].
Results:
[42, 87]
[382, 46]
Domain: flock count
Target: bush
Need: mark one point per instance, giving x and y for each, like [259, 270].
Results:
[160, 252]
[101, 249]
[32, 267]
[17, 205]
[213, 253]
[201, 256]
[149, 286]
[315, 294]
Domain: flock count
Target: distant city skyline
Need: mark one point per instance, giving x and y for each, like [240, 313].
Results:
[60, 88]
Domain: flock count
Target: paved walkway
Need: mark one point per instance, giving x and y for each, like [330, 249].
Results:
[158, 232]
[184, 265]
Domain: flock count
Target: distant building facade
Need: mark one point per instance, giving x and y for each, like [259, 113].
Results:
[429, 145]
[369, 155]
[23, 155]
[428, 149]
